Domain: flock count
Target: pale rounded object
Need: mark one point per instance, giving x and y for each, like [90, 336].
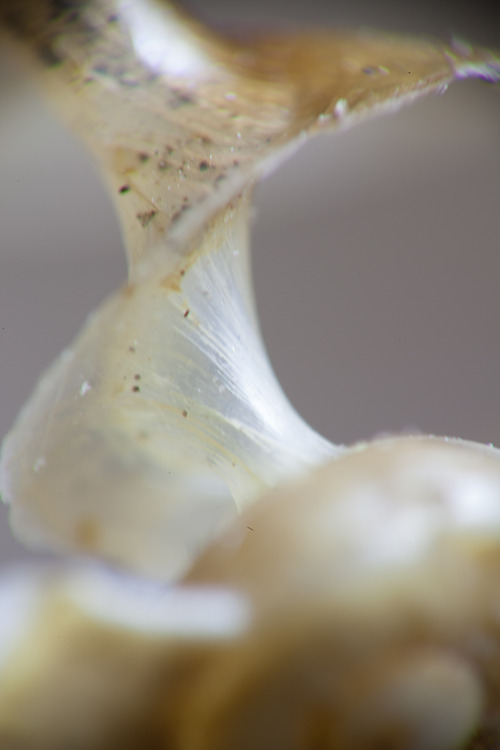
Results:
[374, 584]
[283, 635]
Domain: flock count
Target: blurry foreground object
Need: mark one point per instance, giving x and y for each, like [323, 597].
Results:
[359, 610]
[157, 441]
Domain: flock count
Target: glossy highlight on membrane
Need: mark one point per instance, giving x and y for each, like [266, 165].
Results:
[161, 441]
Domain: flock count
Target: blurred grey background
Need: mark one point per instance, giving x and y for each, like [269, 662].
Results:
[376, 253]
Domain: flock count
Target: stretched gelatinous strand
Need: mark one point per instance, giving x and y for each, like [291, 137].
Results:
[164, 418]
[144, 439]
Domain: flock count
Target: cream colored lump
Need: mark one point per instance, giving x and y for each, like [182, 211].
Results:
[281, 591]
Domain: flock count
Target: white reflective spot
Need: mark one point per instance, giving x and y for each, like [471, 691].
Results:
[475, 501]
[340, 108]
[85, 387]
[149, 27]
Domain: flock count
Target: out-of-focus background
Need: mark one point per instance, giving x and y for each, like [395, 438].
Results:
[376, 253]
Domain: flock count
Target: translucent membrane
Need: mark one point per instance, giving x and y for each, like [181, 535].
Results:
[163, 420]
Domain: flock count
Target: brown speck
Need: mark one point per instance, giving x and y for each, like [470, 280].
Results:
[179, 99]
[145, 217]
[136, 389]
[137, 376]
[128, 290]
[176, 216]
[182, 271]
[204, 165]
[101, 68]
[249, 528]
[124, 189]
[186, 313]
[184, 413]
[131, 349]
[171, 281]
[143, 157]
[49, 56]
[87, 533]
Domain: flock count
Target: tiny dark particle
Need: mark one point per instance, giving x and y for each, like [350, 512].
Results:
[113, 18]
[250, 528]
[186, 313]
[101, 68]
[124, 189]
[182, 271]
[137, 377]
[236, 163]
[136, 389]
[143, 157]
[145, 217]
[73, 17]
[204, 165]
[176, 216]
[49, 56]
[179, 99]
[369, 70]
[131, 348]
[184, 413]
